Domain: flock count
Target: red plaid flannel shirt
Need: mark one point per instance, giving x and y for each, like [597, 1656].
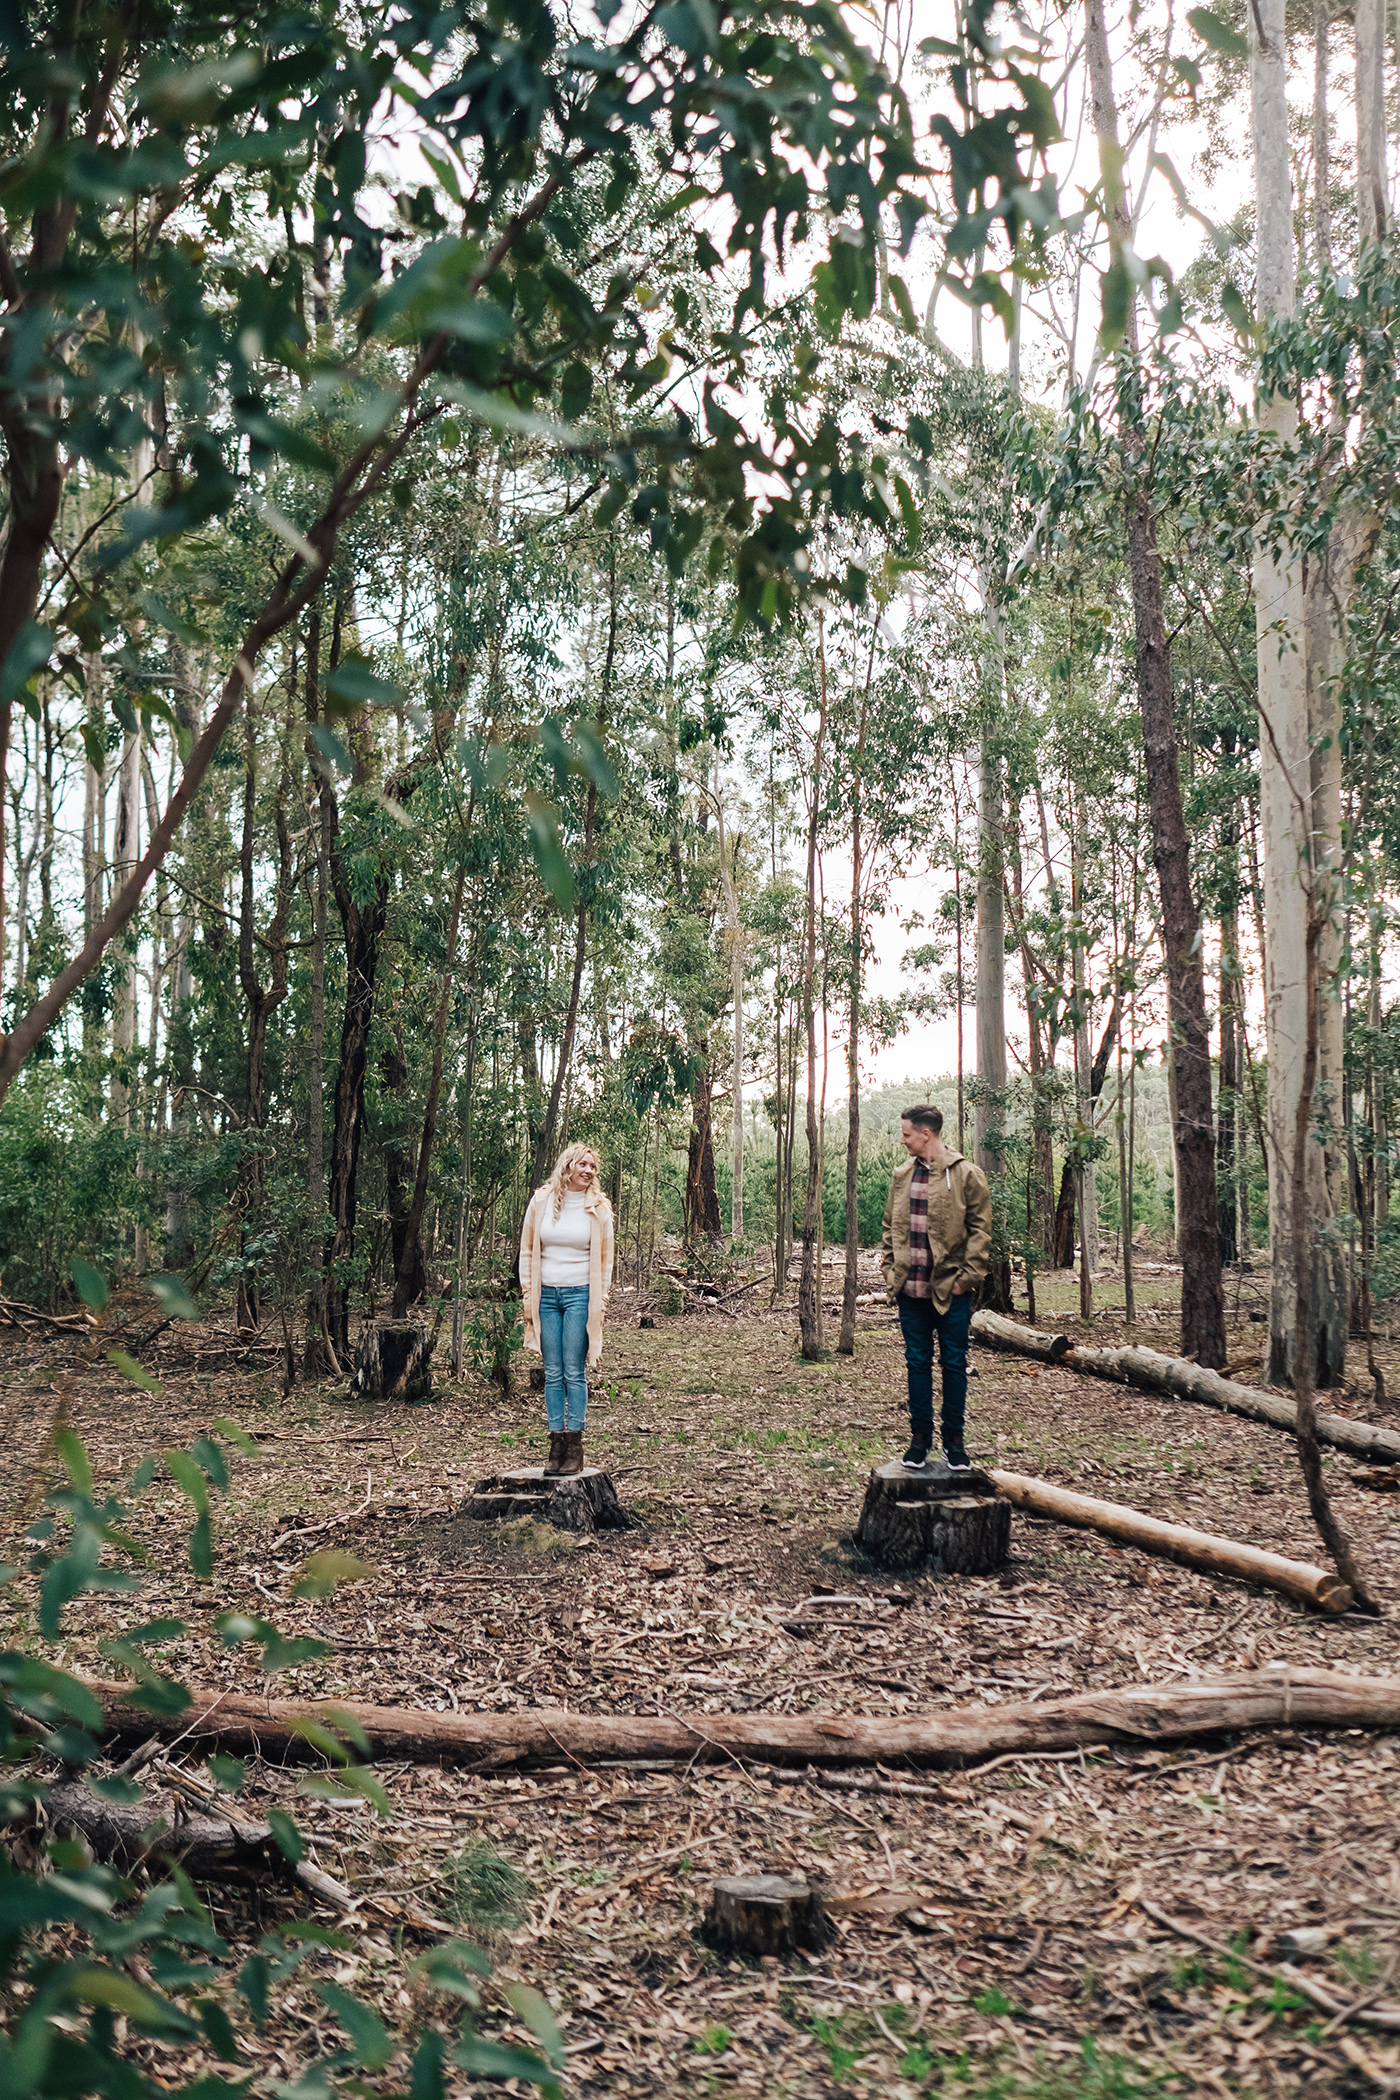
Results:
[919, 1282]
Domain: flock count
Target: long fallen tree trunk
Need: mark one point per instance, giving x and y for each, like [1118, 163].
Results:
[1299, 1579]
[1184, 1380]
[1283, 1697]
[1002, 1333]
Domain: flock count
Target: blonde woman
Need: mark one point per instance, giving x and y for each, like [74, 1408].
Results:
[566, 1265]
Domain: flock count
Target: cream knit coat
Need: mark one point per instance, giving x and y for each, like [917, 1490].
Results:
[600, 1267]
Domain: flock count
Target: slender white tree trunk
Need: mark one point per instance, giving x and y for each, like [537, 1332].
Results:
[126, 851]
[1372, 202]
[736, 969]
[1285, 760]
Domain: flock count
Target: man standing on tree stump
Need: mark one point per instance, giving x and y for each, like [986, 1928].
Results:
[937, 1239]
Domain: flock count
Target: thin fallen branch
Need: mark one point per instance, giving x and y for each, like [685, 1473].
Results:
[1386, 2017]
[1299, 1579]
[1285, 1697]
[1184, 1380]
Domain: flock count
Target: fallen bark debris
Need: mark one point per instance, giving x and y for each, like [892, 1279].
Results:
[1278, 1697]
[1299, 1579]
[1184, 1380]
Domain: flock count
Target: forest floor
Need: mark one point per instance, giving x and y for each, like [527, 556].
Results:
[992, 1938]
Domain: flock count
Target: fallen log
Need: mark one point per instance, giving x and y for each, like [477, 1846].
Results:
[1184, 1380]
[1283, 1697]
[1001, 1333]
[1299, 1579]
[206, 1841]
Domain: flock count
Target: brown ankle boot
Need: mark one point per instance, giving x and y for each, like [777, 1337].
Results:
[572, 1455]
[558, 1445]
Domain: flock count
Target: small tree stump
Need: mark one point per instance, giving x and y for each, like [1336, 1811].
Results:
[953, 1520]
[765, 1914]
[579, 1502]
[393, 1361]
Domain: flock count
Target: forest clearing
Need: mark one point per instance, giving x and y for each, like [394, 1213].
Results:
[699, 1048]
[988, 1921]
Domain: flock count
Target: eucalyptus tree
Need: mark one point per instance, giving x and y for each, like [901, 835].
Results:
[1202, 1296]
[138, 312]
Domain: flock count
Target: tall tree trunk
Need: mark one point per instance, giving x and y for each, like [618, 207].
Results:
[702, 1213]
[317, 1356]
[1288, 687]
[991, 983]
[1322, 139]
[126, 852]
[781, 1219]
[362, 927]
[409, 1275]
[544, 1146]
[1063, 1235]
[1227, 1203]
[846, 1340]
[1372, 204]
[262, 999]
[1202, 1288]
[1088, 1192]
[729, 879]
[1333, 1536]
[405, 1260]
[809, 1288]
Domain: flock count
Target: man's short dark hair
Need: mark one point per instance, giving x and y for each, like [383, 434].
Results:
[923, 1117]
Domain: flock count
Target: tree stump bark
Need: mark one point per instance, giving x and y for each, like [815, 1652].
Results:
[393, 1361]
[952, 1520]
[578, 1502]
[765, 1914]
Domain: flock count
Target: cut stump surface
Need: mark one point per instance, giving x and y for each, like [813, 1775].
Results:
[953, 1519]
[580, 1502]
[765, 1914]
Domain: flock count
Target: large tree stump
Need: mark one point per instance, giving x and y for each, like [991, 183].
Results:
[393, 1361]
[581, 1502]
[952, 1519]
[765, 1914]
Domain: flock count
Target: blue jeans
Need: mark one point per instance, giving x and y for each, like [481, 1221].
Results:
[921, 1321]
[564, 1346]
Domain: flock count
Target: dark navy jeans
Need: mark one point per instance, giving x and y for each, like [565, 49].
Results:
[922, 1322]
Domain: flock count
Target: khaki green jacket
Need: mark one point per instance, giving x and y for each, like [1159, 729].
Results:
[959, 1228]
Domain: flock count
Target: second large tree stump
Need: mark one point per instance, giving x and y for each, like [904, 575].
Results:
[765, 1914]
[581, 1502]
[393, 1361]
[954, 1521]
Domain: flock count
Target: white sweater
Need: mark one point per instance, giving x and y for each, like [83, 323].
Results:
[564, 1242]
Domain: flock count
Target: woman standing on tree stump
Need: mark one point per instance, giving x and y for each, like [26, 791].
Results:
[566, 1265]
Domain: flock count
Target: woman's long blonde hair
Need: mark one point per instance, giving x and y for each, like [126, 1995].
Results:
[564, 1167]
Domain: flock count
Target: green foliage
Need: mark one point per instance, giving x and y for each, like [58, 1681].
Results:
[484, 1892]
[68, 1934]
[492, 1338]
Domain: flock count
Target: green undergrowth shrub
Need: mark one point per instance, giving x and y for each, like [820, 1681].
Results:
[96, 1965]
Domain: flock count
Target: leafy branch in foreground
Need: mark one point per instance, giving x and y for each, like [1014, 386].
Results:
[95, 1962]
